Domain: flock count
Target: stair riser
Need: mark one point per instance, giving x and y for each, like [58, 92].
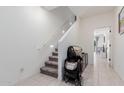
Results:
[51, 65]
[53, 59]
[56, 50]
[55, 54]
[49, 73]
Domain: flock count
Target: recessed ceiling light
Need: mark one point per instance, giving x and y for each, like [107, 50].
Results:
[63, 31]
[51, 46]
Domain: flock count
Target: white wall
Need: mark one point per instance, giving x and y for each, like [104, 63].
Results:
[22, 31]
[87, 28]
[70, 38]
[118, 51]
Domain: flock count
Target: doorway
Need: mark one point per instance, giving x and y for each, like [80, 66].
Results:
[102, 45]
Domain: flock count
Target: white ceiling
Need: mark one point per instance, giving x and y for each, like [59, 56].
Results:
[49, 8]
[86, 11]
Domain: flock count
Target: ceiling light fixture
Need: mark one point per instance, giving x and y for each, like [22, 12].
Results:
[63, 31]
[51, 46]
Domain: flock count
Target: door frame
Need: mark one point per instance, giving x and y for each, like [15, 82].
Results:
[109, 59]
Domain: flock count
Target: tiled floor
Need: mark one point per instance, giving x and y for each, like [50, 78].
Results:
[99, 74]
[41, 80]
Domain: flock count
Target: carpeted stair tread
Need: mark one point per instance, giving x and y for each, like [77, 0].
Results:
[53, 58]
[49, 71]
[56, 49]
[51, 64]
[55, 53]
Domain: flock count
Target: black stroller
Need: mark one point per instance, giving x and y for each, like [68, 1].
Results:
[73, 66]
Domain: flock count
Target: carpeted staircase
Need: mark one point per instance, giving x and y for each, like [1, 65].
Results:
[51, 66]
